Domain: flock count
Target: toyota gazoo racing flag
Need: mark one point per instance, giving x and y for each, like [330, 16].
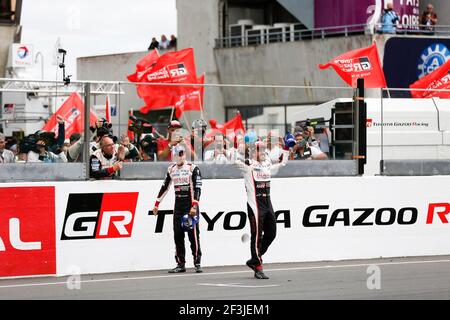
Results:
[143, 66]
[72, 111]
[361, 63]
[176, 67]
[172, 67]
[156, 101]
[439, 79]
[192, 100]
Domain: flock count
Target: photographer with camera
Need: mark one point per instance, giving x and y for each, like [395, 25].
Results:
[104, 128]
[300, 151]
[389, 19]
[306, 146]
[314, 144]
[47, 148]
[106, 161]
[148, 148]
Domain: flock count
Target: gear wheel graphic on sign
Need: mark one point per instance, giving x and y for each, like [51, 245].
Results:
[432, 58]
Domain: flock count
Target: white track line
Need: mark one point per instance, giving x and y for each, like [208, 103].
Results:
[235, 285]
[228, 272]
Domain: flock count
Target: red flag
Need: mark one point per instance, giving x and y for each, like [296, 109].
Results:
[129, 132]
[172, 67]
[438, 79]
[361, 63]
[143, 66]
[72, 111]
[233, 125]
[108, 112]
[157, 101]
[192, 100]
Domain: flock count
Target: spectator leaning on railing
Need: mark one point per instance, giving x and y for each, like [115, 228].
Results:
[154, 44]
[428, 19]
[164, 43]
[389, 19]
[6, 156]
[173, 42]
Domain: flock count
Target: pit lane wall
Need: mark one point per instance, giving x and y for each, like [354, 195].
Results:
[104, 226]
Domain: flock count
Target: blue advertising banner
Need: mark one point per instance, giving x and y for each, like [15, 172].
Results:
[408, 59]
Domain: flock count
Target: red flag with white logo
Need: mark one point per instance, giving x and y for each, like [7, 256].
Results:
[361, 63]
[439, 79]
[144, 65]
[190, 101]
[72, 111]
[174, 67]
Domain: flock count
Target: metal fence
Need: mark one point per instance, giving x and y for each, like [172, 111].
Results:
[346, 119]
[90, 91]
[294, 34]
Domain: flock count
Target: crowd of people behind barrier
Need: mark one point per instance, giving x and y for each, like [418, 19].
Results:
[390, 19]
[108, 152]
[163, 43]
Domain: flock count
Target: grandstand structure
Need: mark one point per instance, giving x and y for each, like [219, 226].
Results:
[276, 42]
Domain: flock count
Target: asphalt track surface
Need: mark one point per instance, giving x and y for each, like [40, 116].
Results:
[399, 278]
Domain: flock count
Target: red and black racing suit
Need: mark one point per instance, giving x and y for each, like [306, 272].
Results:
[187, 184]
[261, 215]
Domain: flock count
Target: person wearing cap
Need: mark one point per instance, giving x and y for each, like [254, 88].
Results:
[257, 170]
[175, 138]
[187, 181]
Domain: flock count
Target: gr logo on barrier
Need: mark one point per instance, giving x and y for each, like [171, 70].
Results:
[99, 215]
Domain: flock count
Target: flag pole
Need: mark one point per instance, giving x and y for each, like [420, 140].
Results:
[171, 118]
[201, 108]
[202, 92]
[388, 92]
[187, 122]
[171, 115]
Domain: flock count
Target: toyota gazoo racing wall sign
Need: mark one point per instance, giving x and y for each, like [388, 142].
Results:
[27, 231]
[325, 216]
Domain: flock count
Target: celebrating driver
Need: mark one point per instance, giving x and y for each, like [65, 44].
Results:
[187, 182]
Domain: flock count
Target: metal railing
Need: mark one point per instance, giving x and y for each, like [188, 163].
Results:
[293, 35]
